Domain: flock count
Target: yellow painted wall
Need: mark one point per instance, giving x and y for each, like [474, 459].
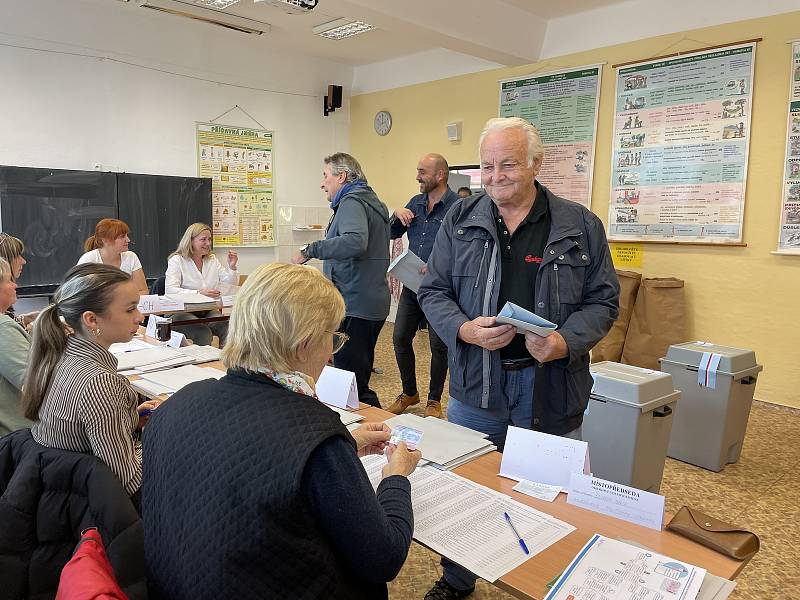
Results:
[735, 296]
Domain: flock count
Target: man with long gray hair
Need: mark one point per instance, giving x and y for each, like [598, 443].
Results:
[355, 255]
[517, 242]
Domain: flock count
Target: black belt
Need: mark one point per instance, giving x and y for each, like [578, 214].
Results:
[516, 364]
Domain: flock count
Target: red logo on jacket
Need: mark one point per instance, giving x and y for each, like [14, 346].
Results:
[530, 258]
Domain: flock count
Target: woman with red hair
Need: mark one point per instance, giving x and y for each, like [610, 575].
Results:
[109, 246]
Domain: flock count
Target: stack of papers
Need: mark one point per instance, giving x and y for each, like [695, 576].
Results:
[194, 301]
[171, 380]
[201, 354]
[406, 269]
[134, 344]
[464, 521]
[152, 358]
[445, 444]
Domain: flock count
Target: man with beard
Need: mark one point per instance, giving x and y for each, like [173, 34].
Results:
[421, 219]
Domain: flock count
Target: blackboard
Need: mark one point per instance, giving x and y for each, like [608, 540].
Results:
[158, 209]
[53, 211]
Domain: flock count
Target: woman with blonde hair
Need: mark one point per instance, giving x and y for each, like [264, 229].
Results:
[72, 389]
[16, 343]
[193, 268]
[254, 483]
[109, 246]
[11, 249]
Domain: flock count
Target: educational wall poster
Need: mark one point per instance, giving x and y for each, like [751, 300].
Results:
[789, 238]
[563, 106]
[681, 137]
[239, 162]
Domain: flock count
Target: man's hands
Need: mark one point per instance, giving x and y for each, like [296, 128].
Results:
[404, 215]
[548, 348]
[483, 332]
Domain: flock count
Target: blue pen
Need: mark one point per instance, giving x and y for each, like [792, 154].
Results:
[516, 533]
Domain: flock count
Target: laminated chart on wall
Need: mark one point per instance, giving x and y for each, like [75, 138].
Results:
[789, 238]
[563, 106]
[239, 162]
[681, 138]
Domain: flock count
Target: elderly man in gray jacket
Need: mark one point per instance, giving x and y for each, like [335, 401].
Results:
[520, 243]
[355, 255]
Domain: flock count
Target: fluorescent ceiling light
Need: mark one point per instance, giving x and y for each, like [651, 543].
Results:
[218, 4]
[342, 28]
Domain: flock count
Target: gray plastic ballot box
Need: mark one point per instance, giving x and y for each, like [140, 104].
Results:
[627, 424]
[709, 428]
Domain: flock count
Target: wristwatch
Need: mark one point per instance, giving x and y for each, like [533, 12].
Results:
[304, 251]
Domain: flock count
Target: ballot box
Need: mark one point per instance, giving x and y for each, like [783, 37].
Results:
[717, 385]
[627, 423]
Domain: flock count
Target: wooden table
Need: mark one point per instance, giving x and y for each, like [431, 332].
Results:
[529, 580]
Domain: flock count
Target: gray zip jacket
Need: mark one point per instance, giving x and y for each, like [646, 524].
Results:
[576, 287]
[355, 252]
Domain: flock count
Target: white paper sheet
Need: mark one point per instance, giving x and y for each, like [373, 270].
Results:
[542, 457]
[337, 387]
[619, 571]
[148, 304]
[464, 521]
[191, 298]
[131, 346]
[150, 388]
[169, 303]
[151, 355]
[617, 500]
[542, 491]
[406, 269]
[201, 354]
[175, 379]
[347, 417]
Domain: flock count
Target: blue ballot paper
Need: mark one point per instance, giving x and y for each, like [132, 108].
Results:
[525, 320]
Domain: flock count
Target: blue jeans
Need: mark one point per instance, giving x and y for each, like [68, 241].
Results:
[517, 411]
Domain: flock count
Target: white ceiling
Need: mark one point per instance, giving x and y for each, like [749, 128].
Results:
[507, 32]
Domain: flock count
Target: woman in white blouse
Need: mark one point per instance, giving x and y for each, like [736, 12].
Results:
[109, 246]
[193, 268]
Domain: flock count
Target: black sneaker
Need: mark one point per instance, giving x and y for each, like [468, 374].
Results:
[442, 590]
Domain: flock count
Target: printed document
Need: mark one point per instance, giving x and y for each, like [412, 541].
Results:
[615, 570]
[464, 521]
[542, 457]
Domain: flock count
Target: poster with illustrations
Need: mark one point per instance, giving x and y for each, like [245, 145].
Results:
[239, 162]
[563, 106]
[680, 147]
[789, 236]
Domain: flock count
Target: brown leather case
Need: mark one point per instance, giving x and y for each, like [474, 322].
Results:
[717, 535]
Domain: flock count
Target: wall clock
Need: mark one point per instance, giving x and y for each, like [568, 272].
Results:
[383, 122]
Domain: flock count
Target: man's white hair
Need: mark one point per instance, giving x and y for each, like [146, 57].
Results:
[535, 146]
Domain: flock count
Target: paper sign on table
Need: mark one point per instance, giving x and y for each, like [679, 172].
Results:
[542, 491]
[148, 303]
[542, 457]
[175, 339]
[337, 387]
[152, 323]
[617, 500]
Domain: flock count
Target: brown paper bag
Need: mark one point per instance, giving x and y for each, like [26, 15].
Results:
[657, 322]
[610, 347]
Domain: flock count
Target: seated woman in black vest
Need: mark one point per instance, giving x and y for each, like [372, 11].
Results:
[252, 487]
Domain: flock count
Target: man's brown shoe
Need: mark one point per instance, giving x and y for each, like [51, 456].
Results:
[433, 409]
[402, 402]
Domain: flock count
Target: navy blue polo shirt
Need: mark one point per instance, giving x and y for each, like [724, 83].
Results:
[424, 227]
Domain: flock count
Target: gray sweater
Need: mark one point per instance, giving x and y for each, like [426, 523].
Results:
[15, 344]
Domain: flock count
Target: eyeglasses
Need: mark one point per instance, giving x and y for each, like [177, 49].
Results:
[339, 340]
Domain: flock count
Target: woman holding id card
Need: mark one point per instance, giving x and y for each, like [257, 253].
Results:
[253, 488]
